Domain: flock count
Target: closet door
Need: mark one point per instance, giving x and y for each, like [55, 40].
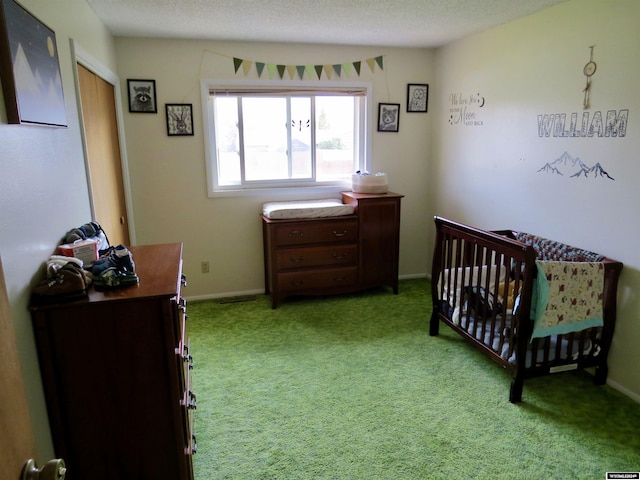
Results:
[103, 151]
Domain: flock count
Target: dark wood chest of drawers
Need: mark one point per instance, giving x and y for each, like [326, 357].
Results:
[116, 374]
[324, 256]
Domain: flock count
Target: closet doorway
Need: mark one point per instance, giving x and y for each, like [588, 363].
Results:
[104, 162]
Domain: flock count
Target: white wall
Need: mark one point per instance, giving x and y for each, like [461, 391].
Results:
[43, 188]
[486, 171]
[168, 173]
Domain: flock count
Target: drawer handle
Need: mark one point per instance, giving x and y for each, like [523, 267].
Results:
[340, 257]
[339, 234]
[192, 403]
[297, 283]
[297, 260]
[296, 232]
[339, 279]
[187, 357]
[192, 446]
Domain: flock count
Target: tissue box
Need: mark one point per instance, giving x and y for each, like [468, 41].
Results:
[377, 183]
[85, 250]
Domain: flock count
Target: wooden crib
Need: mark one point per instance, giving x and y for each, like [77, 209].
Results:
[506, 293]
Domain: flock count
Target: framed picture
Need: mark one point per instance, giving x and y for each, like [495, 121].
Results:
[30, 68]
[417, 97]
[179, 119]
[388, 117]
[142, 96]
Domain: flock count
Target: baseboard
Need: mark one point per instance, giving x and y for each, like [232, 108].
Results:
[412, 276]
[616, 386]
[213, 296]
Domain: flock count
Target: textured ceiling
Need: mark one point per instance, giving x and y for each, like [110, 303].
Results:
[394, 23]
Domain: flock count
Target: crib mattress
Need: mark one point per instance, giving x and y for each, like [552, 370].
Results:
[329, 207]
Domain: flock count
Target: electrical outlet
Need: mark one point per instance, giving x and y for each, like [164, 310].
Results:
[204, 266]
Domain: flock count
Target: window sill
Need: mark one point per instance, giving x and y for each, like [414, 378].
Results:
[282, 191]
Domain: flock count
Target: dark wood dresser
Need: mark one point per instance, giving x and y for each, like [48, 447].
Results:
[324, 256]
[116, 374]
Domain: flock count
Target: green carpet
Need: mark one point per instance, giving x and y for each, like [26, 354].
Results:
[353, 387]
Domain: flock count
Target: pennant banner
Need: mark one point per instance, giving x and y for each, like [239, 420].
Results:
[311, 71]
[236, 64]
[246, 67]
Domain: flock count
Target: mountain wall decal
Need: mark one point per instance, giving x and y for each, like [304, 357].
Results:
[566, 162]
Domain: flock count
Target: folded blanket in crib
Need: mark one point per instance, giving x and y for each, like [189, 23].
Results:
[567, 297]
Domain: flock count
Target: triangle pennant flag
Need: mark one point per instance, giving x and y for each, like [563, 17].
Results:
[337, 69]
[300, 69]
[371, 63]
[236, 63]
[347, 69]
[356, 65]
[309, 71]
[246, 66]
[259, 68]
[379, 62]
[318, 71]
[327, 70]
[292, 71]
[271, 68]
[281, 69]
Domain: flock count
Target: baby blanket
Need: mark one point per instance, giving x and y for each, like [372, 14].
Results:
[567, 297]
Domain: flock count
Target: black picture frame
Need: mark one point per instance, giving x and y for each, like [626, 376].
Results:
[142, 96]
[417, 97]
[179, 119]
[388, 117]
[30, 69]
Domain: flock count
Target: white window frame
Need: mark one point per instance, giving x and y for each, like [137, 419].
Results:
[208, 85]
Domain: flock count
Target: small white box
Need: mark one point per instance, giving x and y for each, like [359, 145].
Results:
[85, 250]
[377, 183]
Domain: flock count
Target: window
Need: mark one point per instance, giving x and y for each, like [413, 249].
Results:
[279, 135]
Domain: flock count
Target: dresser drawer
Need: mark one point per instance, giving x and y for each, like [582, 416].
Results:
[306, 233]
[314, 279]
[339, 255]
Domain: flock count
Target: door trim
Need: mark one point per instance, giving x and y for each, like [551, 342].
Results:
[84, 58]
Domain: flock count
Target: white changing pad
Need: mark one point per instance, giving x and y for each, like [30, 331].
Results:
[329, 207]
